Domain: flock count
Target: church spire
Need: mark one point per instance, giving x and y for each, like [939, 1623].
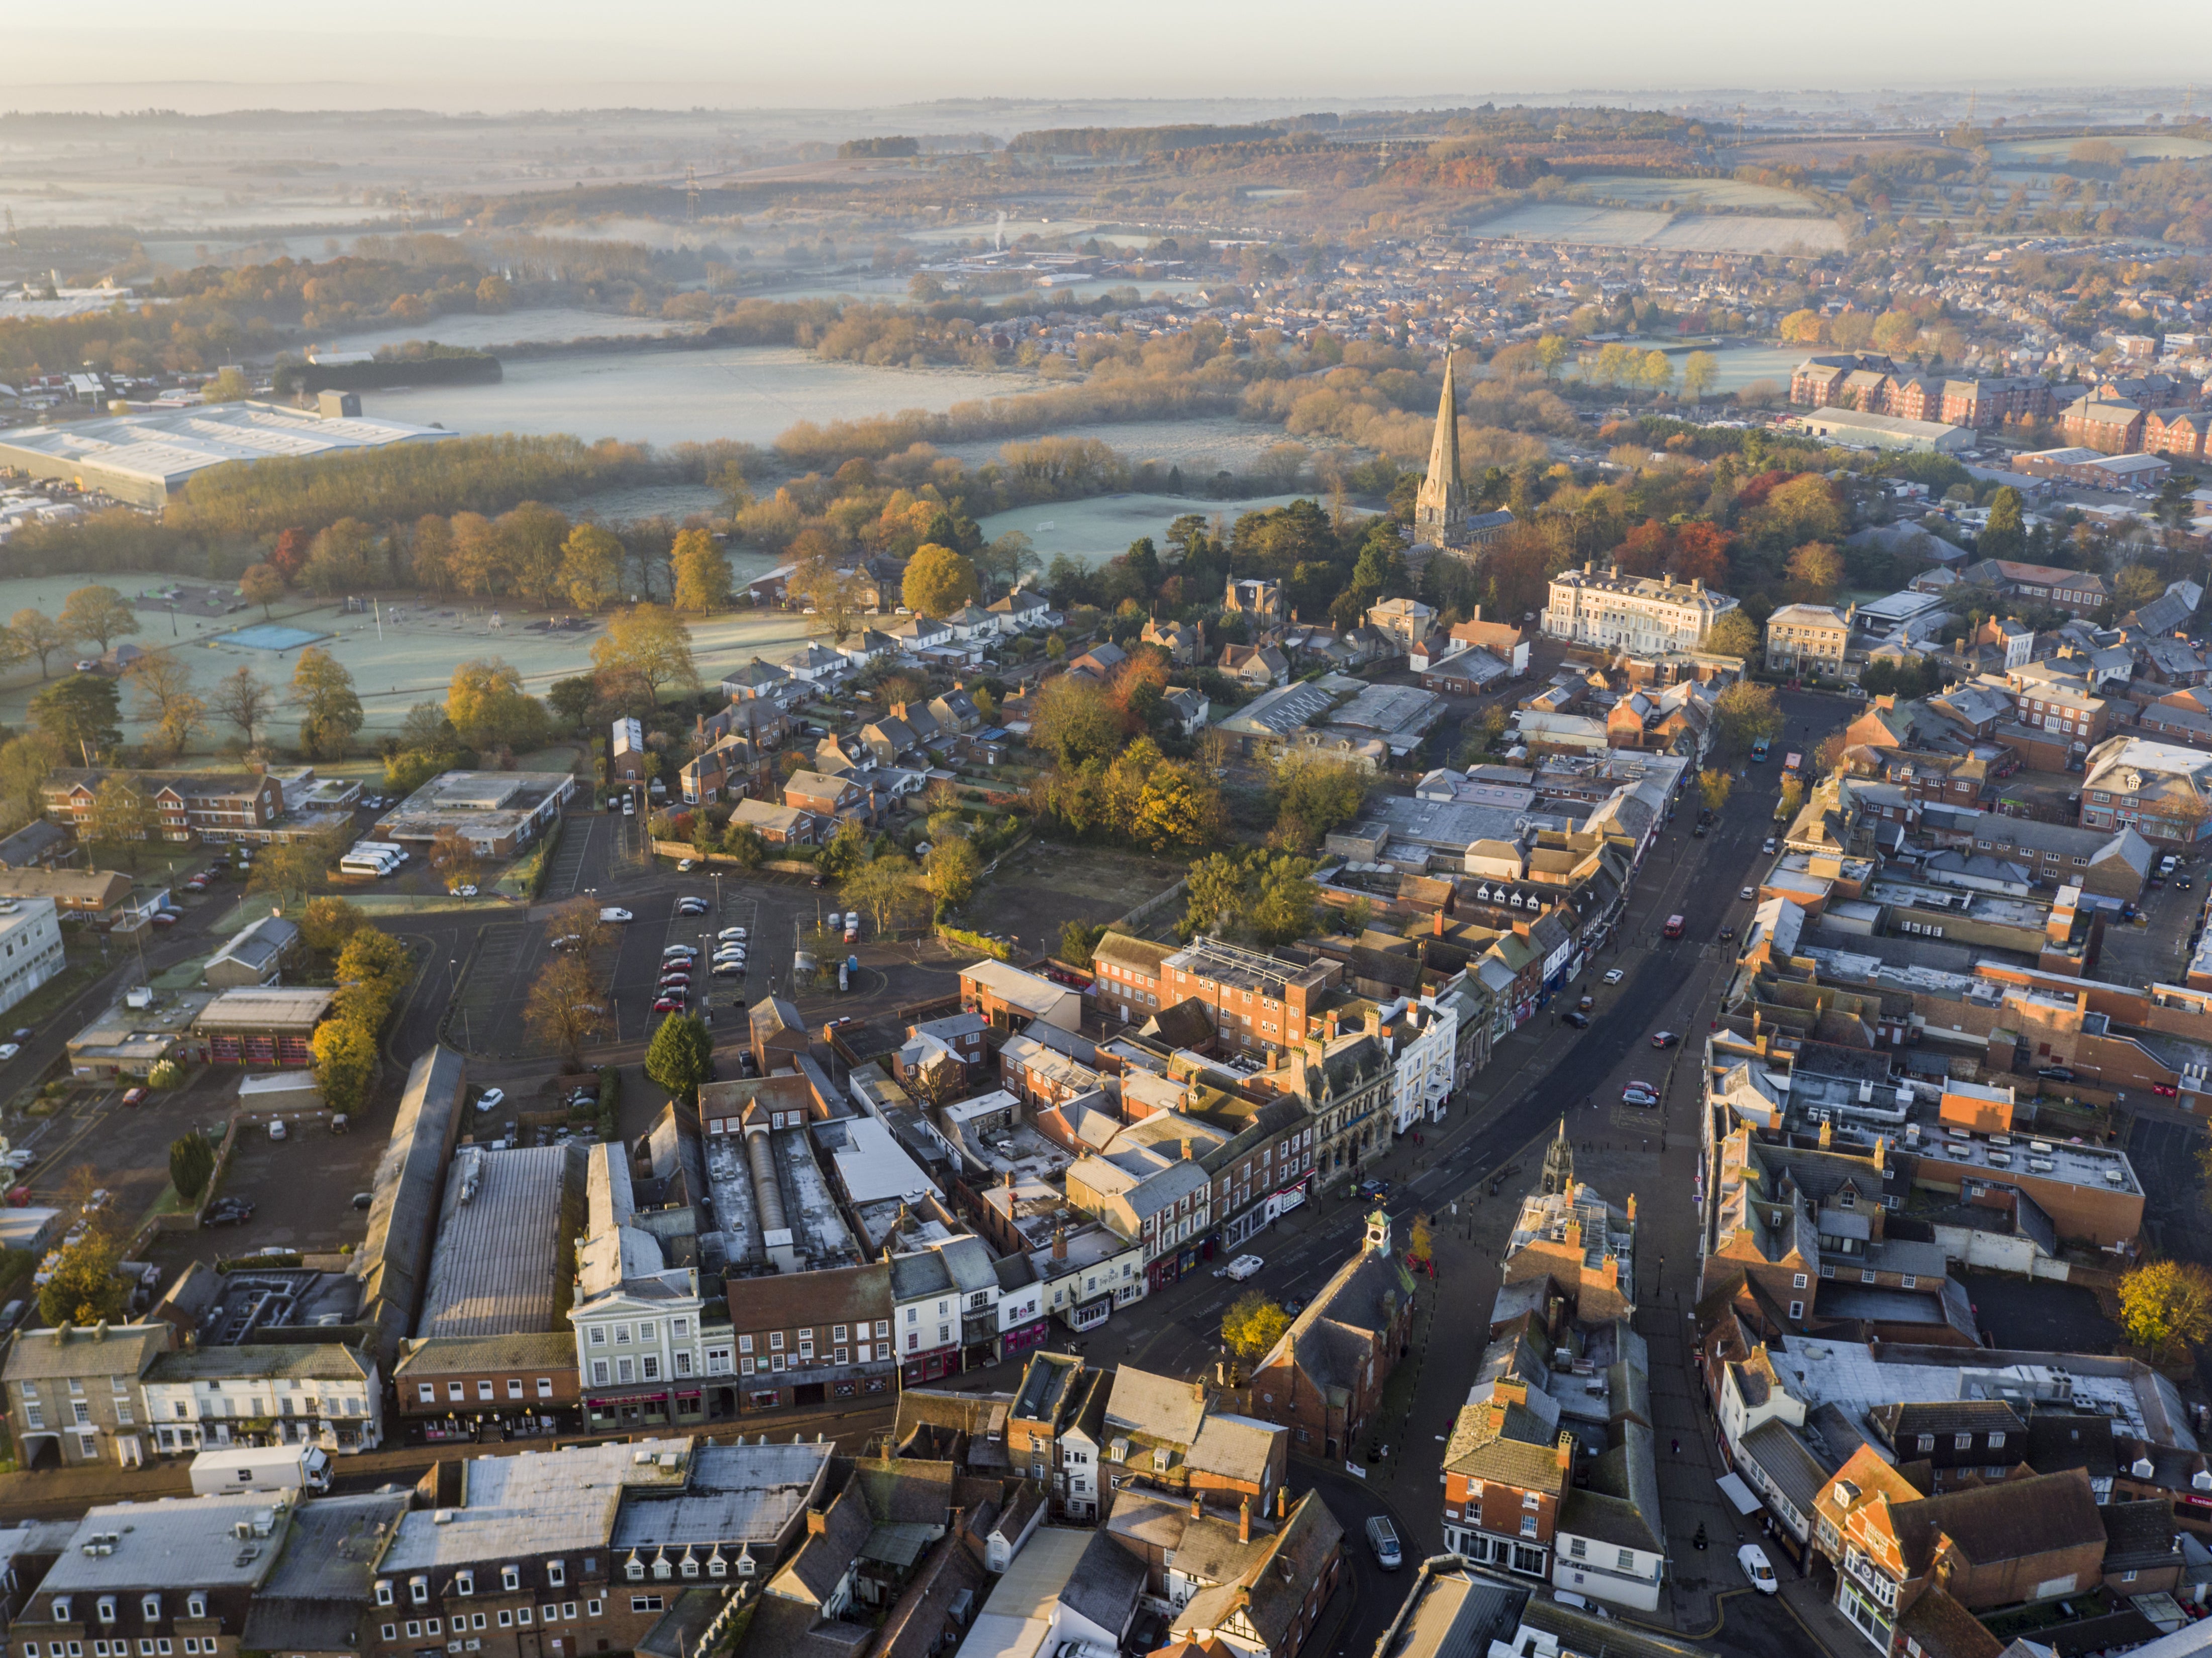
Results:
[1559, 1164]
[1440, 509]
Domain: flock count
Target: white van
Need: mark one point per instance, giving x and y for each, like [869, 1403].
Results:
[374, 864]
[1383, 1539]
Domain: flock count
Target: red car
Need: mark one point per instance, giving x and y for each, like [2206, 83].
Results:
[670, 1004]
[134, 1096]
[167, 918]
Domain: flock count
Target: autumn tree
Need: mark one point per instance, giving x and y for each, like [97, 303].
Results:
[327, 922]
[121, 819]
[939, 581]
[834, 598]
[161, 682]
[703, 572]
[2165, 1306]
[563, 1009]
[489, 709]
[295, 868]
[84, 1290]
[883, 887]
[591, 567]
[579, 919]
[1074, 722]
[344, 1064]
[342, 558]
[1715, 785]
[1700, 370]
[1314, 794]
[330, 708]
[262, 585]
[1828, 757]
[2134, 587]
[372, 969]
[951, 871]
[651, 645]
[38, 634]
[1818, 568]
[99, 614]
[1253, 1325]
[454, 860]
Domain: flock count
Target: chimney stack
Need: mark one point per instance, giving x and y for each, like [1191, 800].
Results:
[1244, 1520]
[1282, 1501]
[1059, 1243]
[1197, 1510]
[818, 1523]
[1198, 1390]
[1566, 1452]
[1187, 1151]
[1439, 923]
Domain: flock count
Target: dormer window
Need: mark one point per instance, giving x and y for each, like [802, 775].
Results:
[510, 1578]
[105, 1609]
[464, 1582]
[150, 1608]
[556, 1573]
[418, 1591]
[635, 1570]
[196, 1606]
[61, 1609]
[383, 1596]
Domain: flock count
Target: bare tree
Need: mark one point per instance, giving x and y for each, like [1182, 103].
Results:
[246, 701]
[563, 1007]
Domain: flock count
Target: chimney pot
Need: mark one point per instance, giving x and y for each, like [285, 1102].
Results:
[1197, 1511]
[1282, 1501]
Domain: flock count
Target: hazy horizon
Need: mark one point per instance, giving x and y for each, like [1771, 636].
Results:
[463, 55]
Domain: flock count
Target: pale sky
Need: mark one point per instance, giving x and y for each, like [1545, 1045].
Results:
[505, 54]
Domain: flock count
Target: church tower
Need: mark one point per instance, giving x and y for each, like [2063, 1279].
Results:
[1440, 510]
[1559, 1164]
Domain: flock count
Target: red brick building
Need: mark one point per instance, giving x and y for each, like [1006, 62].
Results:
[1325, 1377]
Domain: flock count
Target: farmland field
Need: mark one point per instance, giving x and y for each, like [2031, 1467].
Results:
[1613, 226]
[2161, 147]
[1641, 190]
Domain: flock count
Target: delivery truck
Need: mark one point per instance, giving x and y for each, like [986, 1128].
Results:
[225, 1470]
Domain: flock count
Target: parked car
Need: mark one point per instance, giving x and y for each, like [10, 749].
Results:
[1639, 1096]
[166, 917]
[1760, 1569]
[134, 1096]
[9, 1050]
[686, 865]
[1767, 846]
[2054, 1073]
[674, 1002]
[1666, 1038]
[1613, 975]
[729, 970]
[687, 951]
[1577, 1019]
[1748, 893]
[491, 1099]
[1698, 833]
[732, 933]
[1241, 1268]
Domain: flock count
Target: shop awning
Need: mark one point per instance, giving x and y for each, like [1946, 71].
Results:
[1734, 1488]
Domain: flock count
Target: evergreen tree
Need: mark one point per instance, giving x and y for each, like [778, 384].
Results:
[680, 1056]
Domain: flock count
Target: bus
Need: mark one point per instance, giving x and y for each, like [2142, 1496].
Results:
[392, 850]
[367, 863]
[1758, 751]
